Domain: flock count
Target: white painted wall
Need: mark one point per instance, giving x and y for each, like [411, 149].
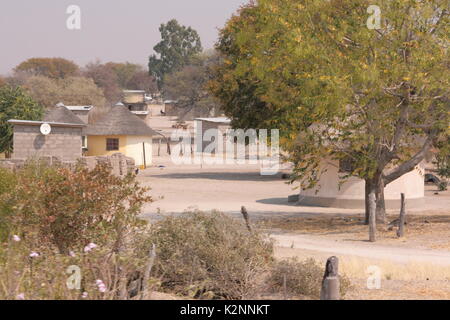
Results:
[135, 149]
[412, 184]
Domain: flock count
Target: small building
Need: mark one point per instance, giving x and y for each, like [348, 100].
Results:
[136, 102]
[170, 107]
[121, 131]
[351, 194]
[62, 137]
[201, 125]
[81, 112]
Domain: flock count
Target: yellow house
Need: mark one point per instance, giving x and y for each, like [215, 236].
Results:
[121, 131]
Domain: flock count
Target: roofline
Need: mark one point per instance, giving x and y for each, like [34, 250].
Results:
[122, 134]
[79, 108]
[215, 120]
[37, 123]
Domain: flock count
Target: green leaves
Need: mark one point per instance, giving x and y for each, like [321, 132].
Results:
[293, 64]
[178, 45]
[15, 104]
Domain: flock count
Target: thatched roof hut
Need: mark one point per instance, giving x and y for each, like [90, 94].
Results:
[60, 114]
[120, 121]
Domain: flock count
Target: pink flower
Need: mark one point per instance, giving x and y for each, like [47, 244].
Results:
[16, 238]
[20, 296]
[89, 247]
[84, 295]
[101, 286]
[34, 254]
[72, 254]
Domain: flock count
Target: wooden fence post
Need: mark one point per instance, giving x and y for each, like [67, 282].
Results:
[401, 220]
[330, 283]
[246, 218]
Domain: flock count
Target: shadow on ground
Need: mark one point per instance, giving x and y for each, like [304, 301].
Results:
[227, 176]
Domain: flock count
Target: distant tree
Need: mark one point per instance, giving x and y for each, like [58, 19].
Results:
[125, 72]
[56, 68]
[70, 91]
[189, 86]
[178, 45]
[2, 81]
[105, 78]
[15, 104]
[141, 80]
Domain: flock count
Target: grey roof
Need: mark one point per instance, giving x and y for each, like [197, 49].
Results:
[60, 114]
[119, 121]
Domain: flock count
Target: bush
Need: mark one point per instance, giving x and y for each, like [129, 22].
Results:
[7, 183]
[41, 273]
[301, 278]
[71, 208]
[56, 218]
[210, 255]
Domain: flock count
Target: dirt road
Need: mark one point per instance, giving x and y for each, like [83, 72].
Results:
[361, 249]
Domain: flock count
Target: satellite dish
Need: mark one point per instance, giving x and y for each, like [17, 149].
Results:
[46, 129]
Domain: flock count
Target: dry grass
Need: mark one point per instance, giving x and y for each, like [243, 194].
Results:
[356, 267]
[398, 281]
[401, 290]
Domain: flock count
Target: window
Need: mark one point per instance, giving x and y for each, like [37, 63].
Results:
[112, 144]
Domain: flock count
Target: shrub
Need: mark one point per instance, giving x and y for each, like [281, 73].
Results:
[210, 255]
[71, 208]
[301, 278]
[7, 183]
[42, 273]
[58, 218]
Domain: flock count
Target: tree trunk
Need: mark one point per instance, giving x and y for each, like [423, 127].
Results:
[366, 198]
[375, 184]
[381, 206]
[372, 215]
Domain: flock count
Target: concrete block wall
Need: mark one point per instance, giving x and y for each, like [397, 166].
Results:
[119, 163]
[63, 142]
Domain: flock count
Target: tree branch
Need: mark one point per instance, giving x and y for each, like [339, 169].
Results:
[409, 165]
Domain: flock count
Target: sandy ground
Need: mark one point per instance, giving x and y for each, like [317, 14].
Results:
[228, 187]
[415, 267]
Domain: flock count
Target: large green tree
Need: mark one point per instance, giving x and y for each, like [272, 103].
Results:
[337, 89]
[15, 104]
[177, 46]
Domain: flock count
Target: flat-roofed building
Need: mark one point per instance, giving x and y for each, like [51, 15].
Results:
[63, 139]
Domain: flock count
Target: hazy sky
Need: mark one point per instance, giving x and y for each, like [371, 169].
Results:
[111, 30]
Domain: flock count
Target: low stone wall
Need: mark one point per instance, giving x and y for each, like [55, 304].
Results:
[120, 164]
